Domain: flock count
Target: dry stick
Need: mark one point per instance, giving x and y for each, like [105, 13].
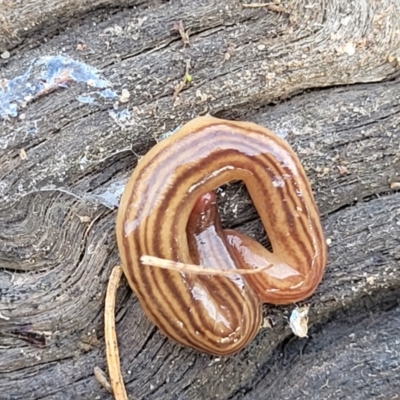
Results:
[113, 362]
[196, 269]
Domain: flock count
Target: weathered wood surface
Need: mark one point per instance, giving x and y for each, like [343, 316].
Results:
[246, 63]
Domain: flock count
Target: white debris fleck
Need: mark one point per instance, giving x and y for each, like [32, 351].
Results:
[266, 323]
[124, 98]
[4, 317]
[298, 321]
[370, 280]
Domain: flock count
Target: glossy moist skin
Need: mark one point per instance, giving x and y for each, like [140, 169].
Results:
[218, 314]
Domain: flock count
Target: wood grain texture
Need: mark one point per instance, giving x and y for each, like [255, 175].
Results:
[55, 264]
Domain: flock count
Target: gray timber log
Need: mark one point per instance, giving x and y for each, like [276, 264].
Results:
[323, 74]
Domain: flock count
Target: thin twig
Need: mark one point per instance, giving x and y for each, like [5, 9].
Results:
[186, 79]
[178, 26]
[113, 362]
[197, 269]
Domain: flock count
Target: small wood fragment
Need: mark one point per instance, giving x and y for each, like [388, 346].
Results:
[179, 27]
[102, 378]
